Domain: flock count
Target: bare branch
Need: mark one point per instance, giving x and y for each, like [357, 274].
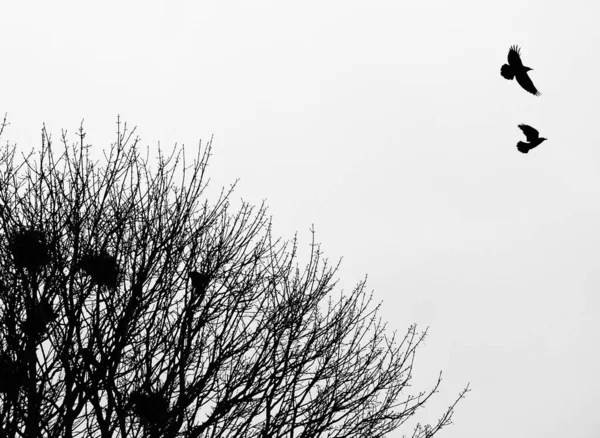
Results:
[131, 306]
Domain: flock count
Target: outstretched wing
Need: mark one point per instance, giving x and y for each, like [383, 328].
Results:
[514, 57]
[531, 133]
[523, 147]
[525, 82]
[507, 72]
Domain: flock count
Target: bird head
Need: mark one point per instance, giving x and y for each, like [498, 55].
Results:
[542, 139]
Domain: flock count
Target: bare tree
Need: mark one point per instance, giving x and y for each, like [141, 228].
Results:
[129, 308]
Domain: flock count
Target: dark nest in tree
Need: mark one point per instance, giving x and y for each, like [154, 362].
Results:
[152, 408]
[29, 249]
[102, 268]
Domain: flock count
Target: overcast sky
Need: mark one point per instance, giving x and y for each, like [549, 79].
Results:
[387, 125]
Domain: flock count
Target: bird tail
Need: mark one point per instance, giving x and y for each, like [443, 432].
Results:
[507, 72]
[523, 147]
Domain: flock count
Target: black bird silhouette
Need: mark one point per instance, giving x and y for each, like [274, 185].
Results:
[533, 137]
[516, 69]
[199, 283]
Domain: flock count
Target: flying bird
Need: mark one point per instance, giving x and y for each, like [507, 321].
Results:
[516, 69]
[533, 137]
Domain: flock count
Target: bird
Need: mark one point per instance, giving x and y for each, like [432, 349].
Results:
[516, 69]
[533, 137]
[199, 282]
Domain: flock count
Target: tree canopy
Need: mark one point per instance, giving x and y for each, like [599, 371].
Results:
[131, 306]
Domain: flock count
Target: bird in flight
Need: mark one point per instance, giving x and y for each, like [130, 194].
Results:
[516, 69]
[533, 137]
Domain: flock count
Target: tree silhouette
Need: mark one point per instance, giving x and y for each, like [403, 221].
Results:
[103, 334]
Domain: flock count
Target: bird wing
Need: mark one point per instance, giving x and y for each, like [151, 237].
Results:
[514, 57]
[523, 147]
[507, 72]
[531, 133]
[525, 82]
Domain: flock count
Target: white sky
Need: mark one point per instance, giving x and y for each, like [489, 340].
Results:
[387, 125]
